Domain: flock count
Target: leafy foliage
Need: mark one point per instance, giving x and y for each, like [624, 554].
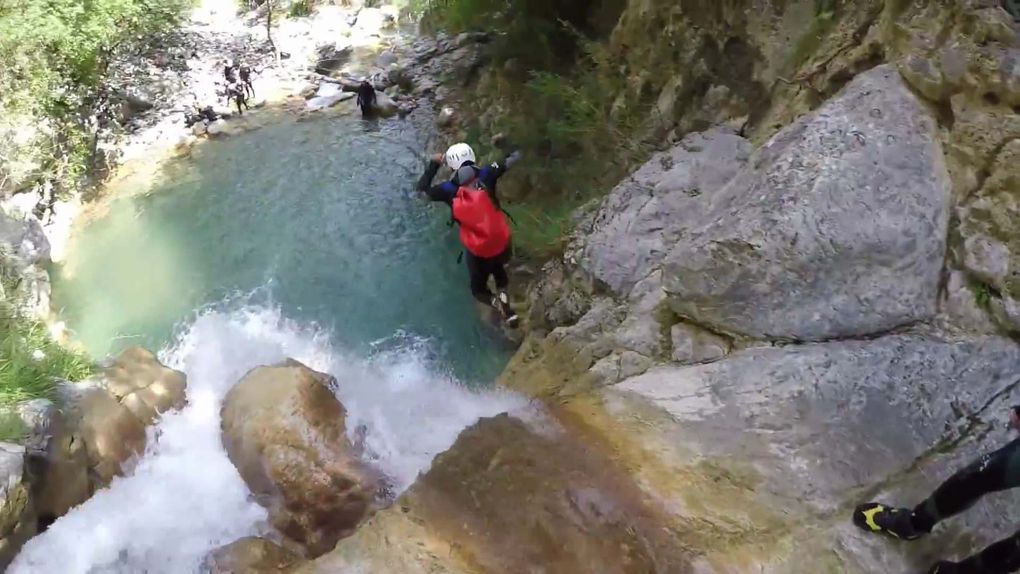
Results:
[55, 54]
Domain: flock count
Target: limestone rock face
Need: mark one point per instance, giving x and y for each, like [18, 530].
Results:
[284, 431]
[835, 229]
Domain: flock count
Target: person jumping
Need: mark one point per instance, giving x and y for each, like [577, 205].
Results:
[992, 472]
[484, 232]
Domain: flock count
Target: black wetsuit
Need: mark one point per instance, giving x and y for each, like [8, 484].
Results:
[229, 74]
[479, 268]
[245, 73]
[993, 472]
[236, 92]
[366, 99]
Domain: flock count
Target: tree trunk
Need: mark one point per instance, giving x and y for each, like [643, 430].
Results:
[269, 31]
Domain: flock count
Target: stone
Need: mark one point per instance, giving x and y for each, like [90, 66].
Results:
[692, 345]
[283, 429]
[17, 511]
[199, 129]
[56, 457]
[447, 116]
[964, 307]
[644, 215]
[250, 555]
[32, 292]
[332, 57]
[386, 59]
[23, 241]
[141, 383]
[991, 244]
[509, 498]
[924, 76]
[217, 128]
[110, 411]
[385, 106]
[112, 435]
[836, 227]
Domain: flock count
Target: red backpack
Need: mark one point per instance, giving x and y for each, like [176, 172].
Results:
[483, 228]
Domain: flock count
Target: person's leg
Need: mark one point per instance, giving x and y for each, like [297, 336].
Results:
[502, 302]
[479, 275]
[995, 471]
[1000, 557]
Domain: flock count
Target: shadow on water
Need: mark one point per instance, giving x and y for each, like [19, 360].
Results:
[321, 214]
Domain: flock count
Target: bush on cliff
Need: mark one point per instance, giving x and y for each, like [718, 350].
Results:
[55, 55]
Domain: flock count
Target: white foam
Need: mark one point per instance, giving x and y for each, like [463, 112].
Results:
[185, 498]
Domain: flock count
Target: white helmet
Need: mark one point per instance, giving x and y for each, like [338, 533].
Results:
[458, 154]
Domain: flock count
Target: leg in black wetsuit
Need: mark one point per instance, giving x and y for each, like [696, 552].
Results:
[479, 270]
[992, 472]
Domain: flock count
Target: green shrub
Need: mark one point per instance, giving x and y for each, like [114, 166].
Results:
[55, 54]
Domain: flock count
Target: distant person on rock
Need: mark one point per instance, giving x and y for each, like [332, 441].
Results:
[992, 472]
[366, 99]
[245, 73]
[484, 232]
[230, 72]
[236, 93]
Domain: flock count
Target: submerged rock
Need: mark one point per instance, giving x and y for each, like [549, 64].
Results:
[249, 556]
[284, 431]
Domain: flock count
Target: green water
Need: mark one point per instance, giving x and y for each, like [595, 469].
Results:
[319, 217]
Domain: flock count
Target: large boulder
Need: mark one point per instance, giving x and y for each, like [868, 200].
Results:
[509, 498]
[283, 428]
[836, 228]
[650, 211]
[109, 412]
[249, 556]
[56, 459]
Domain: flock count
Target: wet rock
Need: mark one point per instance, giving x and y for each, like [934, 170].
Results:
[17, 512]
[836, 228]
[217, 128]
[468, 513]
[143, 385]
[386, 59]
[284, 431]
[56, 458]
[249, 556]
[109, 412]
[385, 106]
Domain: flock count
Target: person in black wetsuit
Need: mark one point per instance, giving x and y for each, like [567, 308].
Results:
[236, 93]
[992, 472]
[230, 72]
[467, 178]
[245, 73]
[366, 99]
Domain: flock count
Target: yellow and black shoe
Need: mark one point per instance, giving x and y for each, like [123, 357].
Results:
[882, 519]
